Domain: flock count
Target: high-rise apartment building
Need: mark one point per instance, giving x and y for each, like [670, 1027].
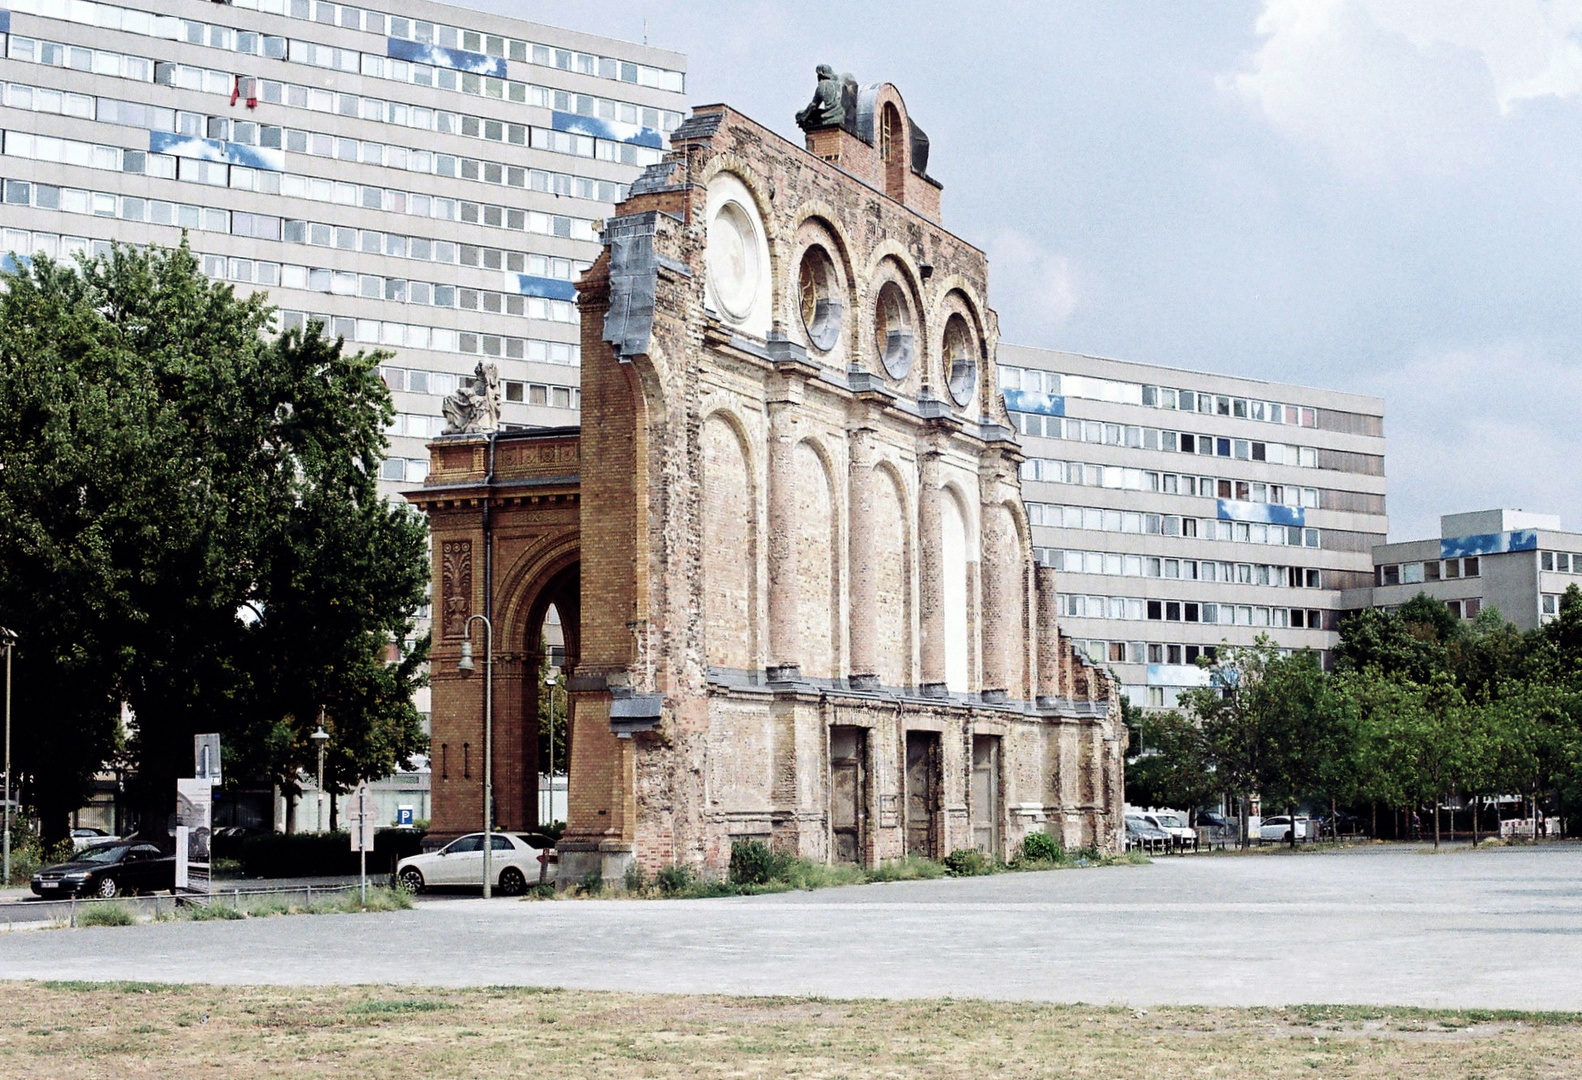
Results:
[419, 177]
[1186, 511]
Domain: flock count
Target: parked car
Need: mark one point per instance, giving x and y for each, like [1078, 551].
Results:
[518, 860]
[107, 870]
[1175, 824]
[1279, 828]
[1340, 824]
[86, 837]
[1213, 819]
[1140, 834]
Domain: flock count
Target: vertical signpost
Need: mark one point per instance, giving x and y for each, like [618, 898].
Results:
[194, 815]
[363, 822]
[194, 804]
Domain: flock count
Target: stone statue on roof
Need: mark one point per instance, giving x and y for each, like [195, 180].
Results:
[828, 107]
[474, 409]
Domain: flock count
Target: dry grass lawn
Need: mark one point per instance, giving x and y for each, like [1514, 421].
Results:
[77, 1030]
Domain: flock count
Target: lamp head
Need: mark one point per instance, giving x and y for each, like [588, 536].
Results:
[320, 737]
[552, 677]
[464, 664]
[7, 637]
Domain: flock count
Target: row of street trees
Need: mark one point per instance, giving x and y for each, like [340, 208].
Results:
[190, 525]
[1421, 707]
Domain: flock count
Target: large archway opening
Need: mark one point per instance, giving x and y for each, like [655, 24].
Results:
[549, 656]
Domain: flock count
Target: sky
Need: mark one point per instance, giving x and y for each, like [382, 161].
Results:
[1378, 196]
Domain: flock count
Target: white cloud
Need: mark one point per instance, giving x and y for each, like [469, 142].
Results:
[1034, 290]
[1476, 429]
[1385, 86]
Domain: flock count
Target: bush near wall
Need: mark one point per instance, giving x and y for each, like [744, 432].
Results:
[323, 854]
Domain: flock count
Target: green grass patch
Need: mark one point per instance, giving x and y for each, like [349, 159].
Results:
[1411, 1015]
[107, 915]
[212, 911]
[395, 1008]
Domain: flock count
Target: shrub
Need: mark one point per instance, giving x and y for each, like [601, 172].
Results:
[636, 881]
[592, 885]
[322, 854]
[214, 909]
[297, 855]
[29, 854]
[674, 880]
[968, 862]
[911, 868]
[1041, 847]
[107, 915]
[754, 862]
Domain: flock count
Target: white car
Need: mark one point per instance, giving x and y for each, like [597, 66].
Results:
[1174, 823]
[83, 837]
[518, 860]
[1279, 828]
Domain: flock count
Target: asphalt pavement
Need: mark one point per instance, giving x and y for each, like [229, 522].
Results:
[1488, 928]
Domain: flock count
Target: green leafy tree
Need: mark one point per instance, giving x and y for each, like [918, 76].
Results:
[1272, 725]
[1169, 765]
[190, 524]
[1411, 642]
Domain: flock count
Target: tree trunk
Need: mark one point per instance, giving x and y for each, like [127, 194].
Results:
[1375, 820]
[1474, 821]
[291, 812]
[1293, 828]
[334, 817]
[1437, 801]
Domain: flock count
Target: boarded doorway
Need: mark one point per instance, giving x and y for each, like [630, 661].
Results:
[986, 793]
[847, 751]
[922, 793]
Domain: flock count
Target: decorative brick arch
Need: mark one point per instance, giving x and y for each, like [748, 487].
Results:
[519, 525]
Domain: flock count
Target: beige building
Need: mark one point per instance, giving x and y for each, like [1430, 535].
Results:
[788, 550]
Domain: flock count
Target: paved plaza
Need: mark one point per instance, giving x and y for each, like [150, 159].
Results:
[1491, 928]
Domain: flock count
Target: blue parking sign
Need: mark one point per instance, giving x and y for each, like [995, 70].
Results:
[403, 815]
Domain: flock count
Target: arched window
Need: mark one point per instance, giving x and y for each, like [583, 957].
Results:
[889, 132]
[892, 152]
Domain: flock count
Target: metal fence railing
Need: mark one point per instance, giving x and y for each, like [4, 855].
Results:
[70, 911]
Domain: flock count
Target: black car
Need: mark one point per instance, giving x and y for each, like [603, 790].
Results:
[107, 870]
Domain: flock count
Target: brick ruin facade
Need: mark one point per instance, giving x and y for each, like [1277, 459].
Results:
[787, 546]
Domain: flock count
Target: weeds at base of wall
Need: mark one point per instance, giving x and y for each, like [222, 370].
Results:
[756, 868]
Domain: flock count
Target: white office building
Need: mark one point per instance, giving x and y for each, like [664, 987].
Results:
[1515, 562]
[1186, 511]
[420, 178]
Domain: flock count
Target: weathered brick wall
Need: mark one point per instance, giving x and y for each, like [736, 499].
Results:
[761, 524]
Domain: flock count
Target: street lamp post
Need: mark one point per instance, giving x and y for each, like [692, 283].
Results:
[464, 665]
[8, 639]
[320, 738]
[552, 681]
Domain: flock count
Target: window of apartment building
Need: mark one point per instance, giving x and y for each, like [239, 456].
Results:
[1551, 604]
[1560, 561]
